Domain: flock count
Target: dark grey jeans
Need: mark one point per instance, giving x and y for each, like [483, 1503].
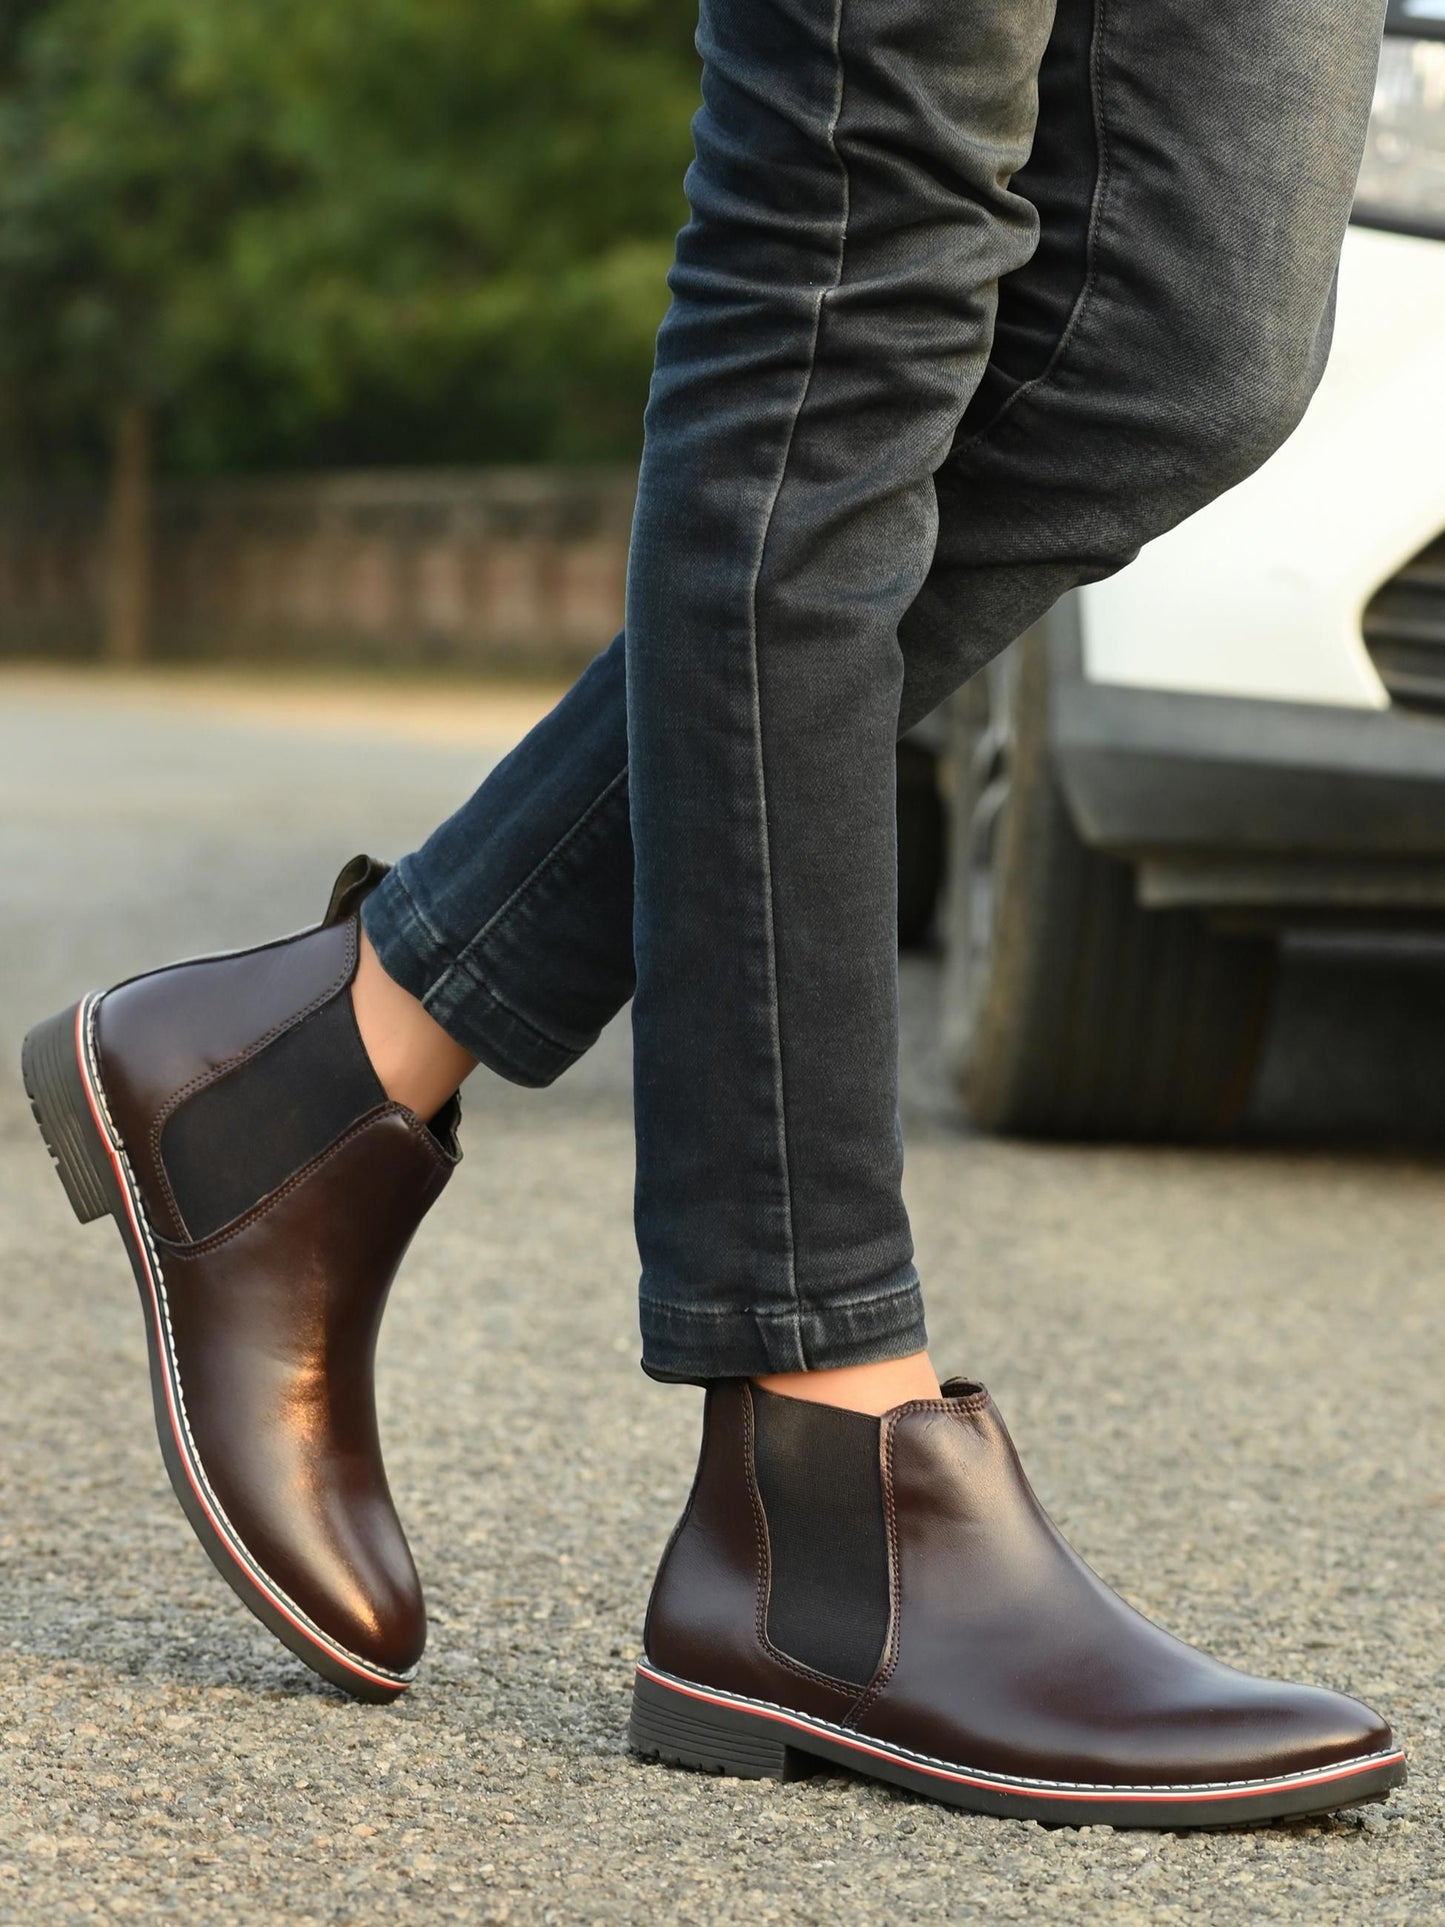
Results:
[976, 297]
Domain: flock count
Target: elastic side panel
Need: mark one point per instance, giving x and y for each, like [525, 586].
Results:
[234, 1142]
[822, 1492]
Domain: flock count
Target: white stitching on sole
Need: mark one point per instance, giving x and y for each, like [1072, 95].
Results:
[234, 1544]
[1018, 1783]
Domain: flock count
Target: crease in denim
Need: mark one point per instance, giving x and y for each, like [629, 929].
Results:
[906, 1293]
[485, 1048]
[765, 833]
[474, 976]
[507, 907]
[464, 959]
[1098, 202]
[435, 997]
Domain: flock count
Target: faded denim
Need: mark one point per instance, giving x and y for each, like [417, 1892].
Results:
[927, 366]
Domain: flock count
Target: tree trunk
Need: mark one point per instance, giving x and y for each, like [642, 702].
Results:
[128, 561]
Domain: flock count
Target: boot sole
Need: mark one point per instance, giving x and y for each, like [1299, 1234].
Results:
[684, 1724]
[58, 1065]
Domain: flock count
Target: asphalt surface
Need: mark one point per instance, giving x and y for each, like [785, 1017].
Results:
[1223, 1370]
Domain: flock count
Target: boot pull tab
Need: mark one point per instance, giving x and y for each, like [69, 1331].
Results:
[356, 882]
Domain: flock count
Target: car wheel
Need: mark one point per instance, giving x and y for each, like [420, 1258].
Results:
[1068, 1009]
[921, 829]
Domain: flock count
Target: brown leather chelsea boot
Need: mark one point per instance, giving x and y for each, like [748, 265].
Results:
[889, 1595]
[224, 1113]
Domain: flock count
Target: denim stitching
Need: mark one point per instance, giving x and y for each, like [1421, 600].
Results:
[756, 1315]
[435, 939]
[468, 970]
[479, 982]
[506, 909]
[441, 1001]
[463, 960]
[779, 1093]
[1097, 205]
[435, 1001]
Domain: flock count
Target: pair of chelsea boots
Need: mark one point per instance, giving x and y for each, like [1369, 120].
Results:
[887, 1595]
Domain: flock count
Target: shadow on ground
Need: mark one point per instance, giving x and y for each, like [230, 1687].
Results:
[1356, 1049]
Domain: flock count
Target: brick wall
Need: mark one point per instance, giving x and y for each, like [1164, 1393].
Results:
[514, 567]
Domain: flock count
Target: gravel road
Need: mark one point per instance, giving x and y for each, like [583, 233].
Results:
[1223, 1369]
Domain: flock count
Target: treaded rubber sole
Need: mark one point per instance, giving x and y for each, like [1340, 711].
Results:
[69, 1106]
[684, 1724]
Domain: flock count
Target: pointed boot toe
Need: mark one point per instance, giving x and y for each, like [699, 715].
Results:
[1314, 1729]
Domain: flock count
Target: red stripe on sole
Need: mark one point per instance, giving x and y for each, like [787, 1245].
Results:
[1177, 1795]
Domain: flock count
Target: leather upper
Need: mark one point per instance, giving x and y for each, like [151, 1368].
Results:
[1006, 1642]
[275, 1323]
[273, 1320]
[164, 1036]
[1005, 1652]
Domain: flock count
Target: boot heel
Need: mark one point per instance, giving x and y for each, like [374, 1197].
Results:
[51, 1072]
[671, 1726]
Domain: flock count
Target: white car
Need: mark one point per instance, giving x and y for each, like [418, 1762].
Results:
[1241, 734]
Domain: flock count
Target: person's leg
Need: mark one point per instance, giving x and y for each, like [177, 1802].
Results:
[833, 302]
[1194, 173]
[511, 927]
[833, 308]
[886, 1591]
[1193, 170]
[1162, 340]
[416, 1062]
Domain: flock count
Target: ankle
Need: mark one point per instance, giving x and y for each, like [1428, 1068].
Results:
[416, 1062]
[874, 1389]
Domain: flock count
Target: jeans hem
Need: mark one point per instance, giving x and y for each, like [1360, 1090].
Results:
[692, 1345]
[470, 1010]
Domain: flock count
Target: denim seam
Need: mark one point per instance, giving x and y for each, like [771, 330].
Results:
[488, 989]
[770, 908]
[470, 971]
[759, 1314]
[504, 912]
[1097, 206]
[480, 981]
[413, 904]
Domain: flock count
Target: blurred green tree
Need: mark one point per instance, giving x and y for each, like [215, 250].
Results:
[356, 231]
